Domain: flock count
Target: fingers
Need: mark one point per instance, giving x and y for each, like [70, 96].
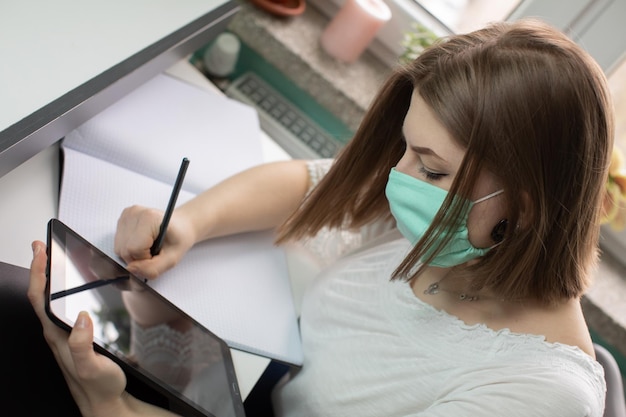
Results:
[153, 267]
[54, 335]
[137, 228]
[37, 283]
[100, 379]
[80, 342]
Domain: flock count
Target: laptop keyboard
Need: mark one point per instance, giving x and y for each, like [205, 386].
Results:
[294, 131]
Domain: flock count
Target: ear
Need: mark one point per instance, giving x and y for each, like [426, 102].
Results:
[526, 212]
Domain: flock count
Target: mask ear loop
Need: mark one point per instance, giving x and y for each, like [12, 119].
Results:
[497, 233]
[488, 196]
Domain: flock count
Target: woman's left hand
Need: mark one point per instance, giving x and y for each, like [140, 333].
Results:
[95, 381]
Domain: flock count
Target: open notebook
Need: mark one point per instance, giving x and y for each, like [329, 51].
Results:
[237, 286]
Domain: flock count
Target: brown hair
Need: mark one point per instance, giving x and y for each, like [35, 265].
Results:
[527, 104]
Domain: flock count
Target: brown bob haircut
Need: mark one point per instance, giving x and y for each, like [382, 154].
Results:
[527, 104]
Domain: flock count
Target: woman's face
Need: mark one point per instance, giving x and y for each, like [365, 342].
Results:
[432, 155]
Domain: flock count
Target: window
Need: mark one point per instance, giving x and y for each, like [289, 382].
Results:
[617, 83]
[462, 16]
[614, 241]
[594, 20]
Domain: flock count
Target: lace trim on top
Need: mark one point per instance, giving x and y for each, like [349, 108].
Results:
[481, 338]
[330, 244]
[317, 169]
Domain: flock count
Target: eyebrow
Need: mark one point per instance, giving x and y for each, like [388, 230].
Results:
[421, 150]
[426, 151]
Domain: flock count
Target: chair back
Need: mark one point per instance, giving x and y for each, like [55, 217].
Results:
[615, 399]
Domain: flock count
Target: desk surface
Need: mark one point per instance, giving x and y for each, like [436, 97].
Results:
[65, 61]
[31, 198]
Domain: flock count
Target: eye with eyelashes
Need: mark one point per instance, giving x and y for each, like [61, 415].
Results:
[430, 175]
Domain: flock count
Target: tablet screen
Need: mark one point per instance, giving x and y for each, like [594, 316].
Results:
[139, 328]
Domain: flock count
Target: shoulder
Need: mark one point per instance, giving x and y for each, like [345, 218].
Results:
[317, 169]
[564, 379]
[563, 323]
[539, 362]
[548, 380]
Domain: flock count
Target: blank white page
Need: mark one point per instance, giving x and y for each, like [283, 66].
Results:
[154, 127]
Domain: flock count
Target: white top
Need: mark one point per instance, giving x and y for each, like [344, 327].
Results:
[371, 348]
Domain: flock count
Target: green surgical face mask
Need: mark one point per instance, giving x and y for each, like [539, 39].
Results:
[414, 204]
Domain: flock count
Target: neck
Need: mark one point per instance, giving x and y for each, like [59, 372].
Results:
[442, 282]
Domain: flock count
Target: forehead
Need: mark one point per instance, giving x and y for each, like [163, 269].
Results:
[422, 128]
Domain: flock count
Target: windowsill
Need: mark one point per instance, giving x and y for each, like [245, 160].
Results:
[346, 90]
[292, 46]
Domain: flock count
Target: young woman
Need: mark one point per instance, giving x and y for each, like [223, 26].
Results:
[460, 226]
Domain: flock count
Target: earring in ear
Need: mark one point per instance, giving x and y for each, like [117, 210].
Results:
[497, 233]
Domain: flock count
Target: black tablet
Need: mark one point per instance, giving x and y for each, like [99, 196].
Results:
[138, 328]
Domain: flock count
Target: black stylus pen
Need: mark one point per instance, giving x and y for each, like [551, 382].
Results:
[158, 242]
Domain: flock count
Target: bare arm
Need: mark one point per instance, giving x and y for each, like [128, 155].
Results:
[256, 199]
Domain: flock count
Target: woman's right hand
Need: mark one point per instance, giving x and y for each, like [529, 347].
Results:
[258, 198]
[138, 227]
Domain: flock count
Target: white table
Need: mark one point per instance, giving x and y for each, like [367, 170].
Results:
[64, 61]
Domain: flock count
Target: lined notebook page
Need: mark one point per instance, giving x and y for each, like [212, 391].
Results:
[237, 286]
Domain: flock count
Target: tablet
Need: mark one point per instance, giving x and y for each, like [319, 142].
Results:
[139, 329]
